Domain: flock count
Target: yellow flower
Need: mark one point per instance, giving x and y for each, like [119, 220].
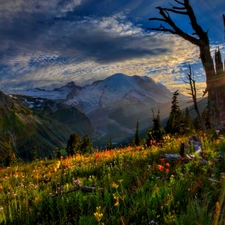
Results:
[117, 203]
[120, 181]
[117, 200]
[114, 185]
[98, 215]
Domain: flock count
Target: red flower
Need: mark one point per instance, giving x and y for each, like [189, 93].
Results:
[162, 161]
[160, 167]
[167, 165]
[167, 170]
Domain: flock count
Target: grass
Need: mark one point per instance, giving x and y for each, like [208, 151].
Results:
[130, 188]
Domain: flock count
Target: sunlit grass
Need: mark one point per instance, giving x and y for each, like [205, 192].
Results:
[132, 186]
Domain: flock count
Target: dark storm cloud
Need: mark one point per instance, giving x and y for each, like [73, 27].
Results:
[103, 40]
[67, 27]
[40, 39]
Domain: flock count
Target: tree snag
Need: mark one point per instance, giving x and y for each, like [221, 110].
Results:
[199, 37]
[191, 81]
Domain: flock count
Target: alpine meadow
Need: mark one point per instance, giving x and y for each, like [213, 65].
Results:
[85, 140]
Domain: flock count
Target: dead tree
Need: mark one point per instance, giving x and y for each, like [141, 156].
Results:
[224, 24]
[199, 37]
[79, 187]
[193, 93]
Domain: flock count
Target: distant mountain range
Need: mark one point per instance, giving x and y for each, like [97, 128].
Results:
[113, 105]
[114, 90]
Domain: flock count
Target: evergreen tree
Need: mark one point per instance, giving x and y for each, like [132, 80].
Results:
[174, 123]
[196, 124]
[35, 153]
[137, 140]
[206, 118]
[58, 152]
[73, 144]
[86, 144]
[156, 133]
[109, 145]
[187, 122]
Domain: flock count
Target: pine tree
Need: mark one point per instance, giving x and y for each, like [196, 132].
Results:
[86, 144]
[156, 133]
[187, 122]
[174, 123]
[109, 145]
[206, 118]
[58, 152]
[35, 153]
[73, 144]
[137, 140]
[9, 155]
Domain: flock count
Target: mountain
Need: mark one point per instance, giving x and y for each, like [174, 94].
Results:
[57, 94]
[115, 104]
[116, 89]
[119, 89]
[68, 115]
[23, 130]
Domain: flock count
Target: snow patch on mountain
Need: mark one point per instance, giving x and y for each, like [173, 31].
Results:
[119, 87]
[116, 89]
[58, 94]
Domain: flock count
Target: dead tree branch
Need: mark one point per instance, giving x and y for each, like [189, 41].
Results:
[79, 187]
[187, 10]
[197, 37]
[193, 94]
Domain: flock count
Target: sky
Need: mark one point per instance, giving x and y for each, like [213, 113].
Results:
[48, 43]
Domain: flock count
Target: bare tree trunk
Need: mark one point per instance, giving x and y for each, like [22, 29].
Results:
[208, 65]
[202, 41]
[193, 94]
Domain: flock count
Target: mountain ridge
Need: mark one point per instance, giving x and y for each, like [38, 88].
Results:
[133, 96]
[24, 130]
[102, 93]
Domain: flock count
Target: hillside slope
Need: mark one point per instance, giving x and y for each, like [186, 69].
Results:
[23, 131]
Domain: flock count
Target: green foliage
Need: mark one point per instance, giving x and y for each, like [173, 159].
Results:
[187, 122]
[129, 188]
[25, 128]
[206, 118]
[78, 145]
[73, 144]
[58, 152]
[174, 123]
[35, 153]
[157, 132]
[109, 145]
[86, 145]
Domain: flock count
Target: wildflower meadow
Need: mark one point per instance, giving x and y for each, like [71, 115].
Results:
[123, 186]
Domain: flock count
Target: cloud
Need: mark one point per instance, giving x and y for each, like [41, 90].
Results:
[47, 43]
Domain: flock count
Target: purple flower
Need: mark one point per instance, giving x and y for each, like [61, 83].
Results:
[76, 181]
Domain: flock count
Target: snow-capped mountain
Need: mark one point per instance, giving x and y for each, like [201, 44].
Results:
[118, 89]
[115, 104]
[58, 94]
[115, 90]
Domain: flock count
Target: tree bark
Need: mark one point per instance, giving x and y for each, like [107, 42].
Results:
[213, 82]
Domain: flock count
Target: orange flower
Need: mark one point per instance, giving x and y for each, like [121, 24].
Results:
[167, 170]
[162, 161]
[167, 165]
[160, 167]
